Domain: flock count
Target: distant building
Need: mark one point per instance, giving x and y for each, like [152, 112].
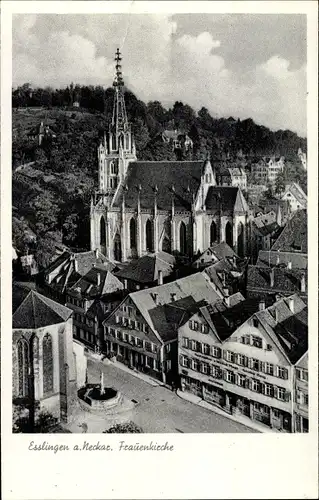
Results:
[41, 132]
[142, 331]
[92, 298]
[43, 363]
[67, 269]
[177, 139]
[296, 197]
[233, 175]
[213, 254]
[294, 237]
[266, 170]
[147, 271]
[303, 158]
[228, 275]
[301, 402]
[242, 359]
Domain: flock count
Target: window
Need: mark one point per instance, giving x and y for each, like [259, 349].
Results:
[168, 365]
[205, 329]
[241, 380]
[255, 322]
[194, 345]
[269, 368]
[23, 364]
[230, 377]
[205, 349]
[302, 374]
[269, 390]
[154, 348]
[282, 372]
[155, 364]
[215, 372]
[257, 341]
[305, 399]
[184, 361]
[148, 346]
[256, 386]
[47, 364]
[230, 356]
[195, 325]
[216, 352]
[254, 364]
[125, 337]
[168, 347]
[242, 360]
[185, 342]
[281, 393]
[195, 365]
[112, 332]
[205, 368]
[245, 339]
[139, 343]
[148, 361]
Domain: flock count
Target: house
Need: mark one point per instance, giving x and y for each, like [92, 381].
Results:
[296, 197]
[177, 139]
[142, 331]
[67, 269]
[303, 158]
[301, 402]
[147, 271]
[241, 357]
[275, 167]
[267, 169]
[43, 365]
[271, 258]
[41, 132]
[238, 177]
[274, 204]
[294, 237]
[91, 298]
[268, 283]
[29, 264]
[216, 252]
[265, 229]
[228, 275]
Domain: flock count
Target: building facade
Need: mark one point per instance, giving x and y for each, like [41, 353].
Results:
[142, 207]
[301, 402]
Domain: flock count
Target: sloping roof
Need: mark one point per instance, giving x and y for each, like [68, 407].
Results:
[185, 176]
[266, 223]
[290, 328]
[215, 252]
[285, 280]
[224, 272]
[37, 311]
[293, 238]
[195, 285]
[296, 190]
[227, 198]
[20, 290]
[271, 259]
[146, 268]
[95, 283]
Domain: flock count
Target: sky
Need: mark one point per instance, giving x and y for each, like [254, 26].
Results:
[240, 65]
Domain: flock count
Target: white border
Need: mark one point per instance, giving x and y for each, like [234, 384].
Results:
[202, 465]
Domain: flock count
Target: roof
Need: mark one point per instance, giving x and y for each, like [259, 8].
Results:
[296, 190]
[289, 328]
[227, 198]
[293, 238]
[237, 171]
[95, 283]
[270, 259]
[224, 272]
[37, 311]
[218, 251]
[197, 286]
[285, 280]
[266, 223]
[146, 268]
[20, 290]
[227, 315]
[184, 176]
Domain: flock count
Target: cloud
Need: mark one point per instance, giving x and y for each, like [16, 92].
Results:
[158, 63]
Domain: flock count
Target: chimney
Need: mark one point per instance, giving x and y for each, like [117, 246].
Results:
[278, 260]
[272, 277]
[96, 253]
[276, 315]
[289, 265]
[154, 297]
[76, 267]
[261, 305]
[291, 304]
[173, 296]
[227, 300]
[226, 292]
[125, 284]
[160, 277]
[98, 279]
[303, 282]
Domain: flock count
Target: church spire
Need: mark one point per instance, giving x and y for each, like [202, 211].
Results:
[119, 120]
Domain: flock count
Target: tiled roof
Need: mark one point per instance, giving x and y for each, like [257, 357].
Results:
[288, 327]
[95, 283]
[229, 199]
[37, 311]
[216, 252]
[227, 316]
[297, 192]
[184, 176]
[271, 259]
[224, 272]
[20, 291]
[284, 280]
[146, 268]
[294, 235]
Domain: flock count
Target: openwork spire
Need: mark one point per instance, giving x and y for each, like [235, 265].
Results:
[119, 120]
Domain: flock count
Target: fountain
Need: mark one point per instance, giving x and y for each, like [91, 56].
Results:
[98, 397]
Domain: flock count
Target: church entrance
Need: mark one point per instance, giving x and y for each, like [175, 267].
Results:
[117, 248]
[213, 233]
[240, 239]
[229, 234]
[102, 236]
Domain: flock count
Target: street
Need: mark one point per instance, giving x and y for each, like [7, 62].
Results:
[159, 409]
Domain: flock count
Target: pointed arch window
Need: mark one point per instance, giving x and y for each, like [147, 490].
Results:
[47, 349]
[213, 233]
[182, 239]
[102, 232]
[229, 234]
[149, 236]
[127, 142]
[117, 248]
[23, 368]
[133, 237]
[112, 168]
[240, 239]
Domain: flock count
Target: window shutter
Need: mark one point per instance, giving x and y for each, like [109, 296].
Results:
[286, 374]
[262, 388]
[275, 392]
[224, 355]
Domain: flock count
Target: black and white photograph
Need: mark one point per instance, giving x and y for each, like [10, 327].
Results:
[159, 223]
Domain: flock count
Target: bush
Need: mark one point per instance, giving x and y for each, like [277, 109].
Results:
[129, 428]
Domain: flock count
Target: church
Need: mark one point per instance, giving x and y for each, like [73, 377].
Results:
[150, 206]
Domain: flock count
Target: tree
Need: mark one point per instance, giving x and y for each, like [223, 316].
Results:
[129, 428]
[46, 210]
[43, 423]
[70, 228]
[45, 249]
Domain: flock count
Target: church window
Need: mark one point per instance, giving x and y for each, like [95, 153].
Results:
[47, 364]
[23, 368]
[127, 142]
[229, 234]
[112, 168]
[117, 248]
[149, 236]
[102, 234]
[213, 232]
[133, 233]
[182, 239]
[240, 239]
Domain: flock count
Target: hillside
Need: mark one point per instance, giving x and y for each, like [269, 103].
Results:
[54, 201]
